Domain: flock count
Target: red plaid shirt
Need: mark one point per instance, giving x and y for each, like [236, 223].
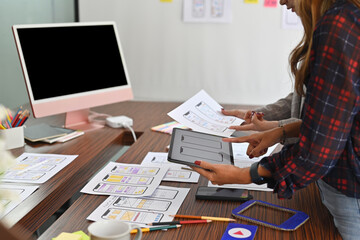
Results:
[329, 145]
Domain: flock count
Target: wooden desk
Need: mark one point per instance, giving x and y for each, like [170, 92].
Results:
[96, 147]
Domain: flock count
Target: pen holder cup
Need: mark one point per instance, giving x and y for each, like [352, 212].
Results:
[13, 137]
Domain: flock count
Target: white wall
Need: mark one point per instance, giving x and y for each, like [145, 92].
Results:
[244, 62]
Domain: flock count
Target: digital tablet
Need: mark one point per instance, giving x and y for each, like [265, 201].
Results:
[188, 146]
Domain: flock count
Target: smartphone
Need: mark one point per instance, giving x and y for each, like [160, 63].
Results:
[228, 194]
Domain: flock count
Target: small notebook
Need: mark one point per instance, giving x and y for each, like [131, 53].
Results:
[44, 131]
[168, 127]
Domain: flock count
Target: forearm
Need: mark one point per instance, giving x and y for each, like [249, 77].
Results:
[291, 130]
[281, 109]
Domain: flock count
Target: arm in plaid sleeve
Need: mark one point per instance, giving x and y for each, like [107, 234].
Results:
[329, 135]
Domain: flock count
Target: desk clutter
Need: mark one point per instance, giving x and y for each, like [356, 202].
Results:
[50, 134]
[134, 191]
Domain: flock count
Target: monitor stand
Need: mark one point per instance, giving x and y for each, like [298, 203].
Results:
[79, 120]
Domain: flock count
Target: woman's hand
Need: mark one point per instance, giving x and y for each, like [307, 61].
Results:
[220, 174]
[252, 120]
[239, 113]
[259, 142]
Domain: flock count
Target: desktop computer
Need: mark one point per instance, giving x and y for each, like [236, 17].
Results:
[72, 67]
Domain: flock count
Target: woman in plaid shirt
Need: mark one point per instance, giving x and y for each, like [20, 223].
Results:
[327, 64]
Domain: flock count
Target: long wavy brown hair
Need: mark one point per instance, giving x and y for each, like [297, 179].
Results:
[309, 11]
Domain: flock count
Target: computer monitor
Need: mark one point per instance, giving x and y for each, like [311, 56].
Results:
[71, 67]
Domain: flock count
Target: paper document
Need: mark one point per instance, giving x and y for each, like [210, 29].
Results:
[131, 180]
[163, 202]
[242, 160]
[37, 168]
[19, 193]
[203, 114]
[207, 11]
[175, 172]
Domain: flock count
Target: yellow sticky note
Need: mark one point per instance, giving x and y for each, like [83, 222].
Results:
[68, 236]
[83, 235]
[165, 0]
[251, 1]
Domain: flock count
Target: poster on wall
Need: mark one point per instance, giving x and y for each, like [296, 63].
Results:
[207, 11]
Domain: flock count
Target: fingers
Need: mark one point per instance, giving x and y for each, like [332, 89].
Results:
[234, 112]
[248, 116]
[258, 150]
[243, 127]
[237, 139]
[203, 168]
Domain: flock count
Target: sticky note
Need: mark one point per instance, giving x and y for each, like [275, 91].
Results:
[68, 236]
[83, 235]
[270, 3]
[165, 0]
[251, 1]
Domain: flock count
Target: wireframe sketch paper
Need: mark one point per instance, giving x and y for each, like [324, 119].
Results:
[175, 172]
[163, 202]
[242, 160]
[37, 168]
[203, 114]
[130, 180]
[20, 193]
[207, 11]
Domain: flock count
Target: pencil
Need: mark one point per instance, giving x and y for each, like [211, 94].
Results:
[16, 116]
[9, 116]
[155, 228]
[205, 217]
[179, 222]
[7, 123]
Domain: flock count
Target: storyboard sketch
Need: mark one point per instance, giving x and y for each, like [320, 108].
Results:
[242, 160]
[203, 114]
[17, 194]
[36, 168]
[207, 11]
[163, 202]
[131, 180]
[176, 173]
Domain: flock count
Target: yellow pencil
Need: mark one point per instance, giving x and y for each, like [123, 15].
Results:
[2, 127]
[205, 217]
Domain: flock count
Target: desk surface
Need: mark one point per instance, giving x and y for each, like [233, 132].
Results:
[96, 148]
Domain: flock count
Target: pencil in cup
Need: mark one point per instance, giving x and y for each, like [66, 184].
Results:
[156, 228]
[205, 217]
[22, 118]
